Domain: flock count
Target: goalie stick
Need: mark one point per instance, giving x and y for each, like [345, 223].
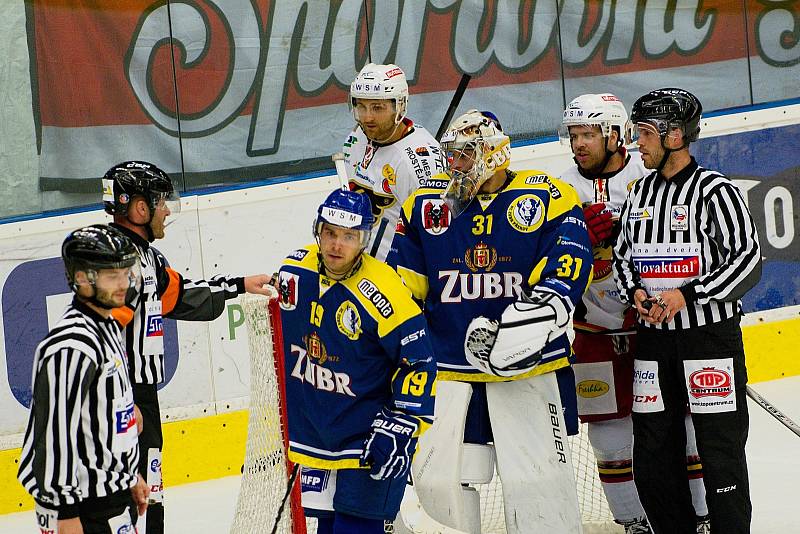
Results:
[773, 411]
[341, 171]
[456, 100]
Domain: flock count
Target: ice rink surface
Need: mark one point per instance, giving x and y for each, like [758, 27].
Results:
[773, 454]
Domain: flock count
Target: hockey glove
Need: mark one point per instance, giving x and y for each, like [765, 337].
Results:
[598, 222]
[390, 446]
[514, 345]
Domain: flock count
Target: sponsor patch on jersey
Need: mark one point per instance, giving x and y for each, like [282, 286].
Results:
[601, 190]
[422, 151]
[315, 480]
[640, 214]
[287, 290]
[631, 183]
[389, 177]
[298, 254]
[435, 184]
[526, 213]
[371, 292]
[149, 280]
[348, 320]
[400, 227]
[537, 179]
[435, 216]
[481, 256]
[155, 326]
[646, 387]
[679, 217]
[711, 385]
[124, 419]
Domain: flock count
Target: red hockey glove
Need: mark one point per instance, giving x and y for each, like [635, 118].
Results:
[598, 222]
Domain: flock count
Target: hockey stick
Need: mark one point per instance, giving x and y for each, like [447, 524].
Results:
[773, 411]
[289, 487]
[462, 86]
[341, 171]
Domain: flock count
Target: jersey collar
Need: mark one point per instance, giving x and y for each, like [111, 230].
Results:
[683, 175]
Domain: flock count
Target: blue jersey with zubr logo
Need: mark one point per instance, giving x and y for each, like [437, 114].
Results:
[530, 233]
[350, 347]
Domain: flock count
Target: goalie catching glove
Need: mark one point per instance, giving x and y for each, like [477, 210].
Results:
[514, 345]
[598, 222]
[390, 446]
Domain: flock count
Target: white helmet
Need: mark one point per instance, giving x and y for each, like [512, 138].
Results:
[604, 110]
[480, 133]
[381, 82]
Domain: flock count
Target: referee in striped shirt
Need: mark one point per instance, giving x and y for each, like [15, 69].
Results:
[687, 252]
[80, 451]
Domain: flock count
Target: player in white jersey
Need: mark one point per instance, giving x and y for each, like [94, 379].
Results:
[596, 127]
[387, 156]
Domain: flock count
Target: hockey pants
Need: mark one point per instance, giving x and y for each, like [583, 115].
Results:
[678, 359]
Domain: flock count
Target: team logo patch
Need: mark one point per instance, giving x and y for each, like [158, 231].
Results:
[711, 385]
[435, 216]
[601, 190]
[400, 227]
[640, 214]
[377, 199]
[526, 213]
[481, 256]
[124, 198]
[589, 389]
[679, 217]
[369, 152]
[287, 290]
[348, 320]
[389, 175]
[315, 348]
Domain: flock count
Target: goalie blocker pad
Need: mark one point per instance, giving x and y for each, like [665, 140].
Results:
[514, 345]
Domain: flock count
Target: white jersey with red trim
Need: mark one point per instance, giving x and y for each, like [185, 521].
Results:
[388, 174]
[603, 305]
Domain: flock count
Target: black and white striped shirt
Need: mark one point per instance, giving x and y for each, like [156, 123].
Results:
[692, 232]
[165, 293]
[81, 441]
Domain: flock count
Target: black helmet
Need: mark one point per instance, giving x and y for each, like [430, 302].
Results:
[124, 180]
[97, 247]
[669, 108]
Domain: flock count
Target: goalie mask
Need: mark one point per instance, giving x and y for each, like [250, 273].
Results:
[96, 250]
[476, 148]
[381, 82]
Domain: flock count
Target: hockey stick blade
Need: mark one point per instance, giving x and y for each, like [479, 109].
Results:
[462, 86]
[773, 411]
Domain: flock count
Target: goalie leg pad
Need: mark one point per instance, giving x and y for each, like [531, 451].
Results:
[437, 465]
[533, 456]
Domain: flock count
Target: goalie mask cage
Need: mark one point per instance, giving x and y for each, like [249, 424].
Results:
[266, 468]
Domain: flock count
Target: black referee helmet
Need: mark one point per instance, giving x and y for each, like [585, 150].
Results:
[125, 180]
[669, 108]
[96, 247]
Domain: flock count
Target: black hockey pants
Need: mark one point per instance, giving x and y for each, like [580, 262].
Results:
[146, 398]
[659, 450]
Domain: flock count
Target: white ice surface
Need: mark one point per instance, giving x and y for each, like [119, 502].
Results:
[773, 454]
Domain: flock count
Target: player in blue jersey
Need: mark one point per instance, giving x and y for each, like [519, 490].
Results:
[500, 259]
[360, 372]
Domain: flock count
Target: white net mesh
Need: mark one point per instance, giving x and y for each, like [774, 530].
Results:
[264, 475]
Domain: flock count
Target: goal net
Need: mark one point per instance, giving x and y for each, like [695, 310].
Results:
[266, 469]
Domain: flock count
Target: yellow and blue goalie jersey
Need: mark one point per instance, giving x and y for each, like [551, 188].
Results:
[351, 347]
[530, 233]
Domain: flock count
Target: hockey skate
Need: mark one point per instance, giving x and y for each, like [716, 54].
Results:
[637, 526]
[704, 524]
